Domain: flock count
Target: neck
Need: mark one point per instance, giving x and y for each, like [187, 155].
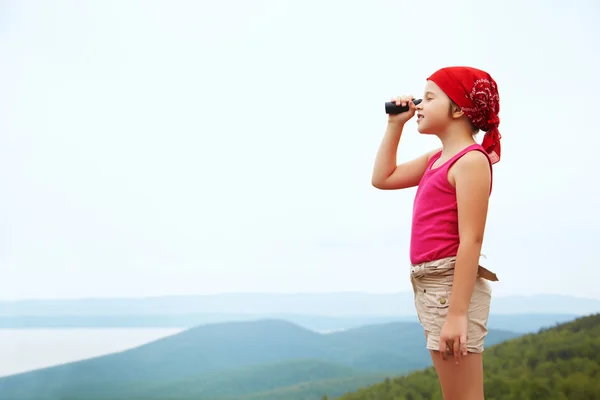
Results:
[455, 139]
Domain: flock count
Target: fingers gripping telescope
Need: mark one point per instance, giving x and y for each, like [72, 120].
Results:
[392, 108]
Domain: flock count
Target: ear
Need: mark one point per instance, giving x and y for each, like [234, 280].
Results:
[456, 111]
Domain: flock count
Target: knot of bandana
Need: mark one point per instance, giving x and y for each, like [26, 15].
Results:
[476, 93]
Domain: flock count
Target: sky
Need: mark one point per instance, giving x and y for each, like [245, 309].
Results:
[154, 148]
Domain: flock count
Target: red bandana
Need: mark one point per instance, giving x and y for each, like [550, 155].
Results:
[476, 93]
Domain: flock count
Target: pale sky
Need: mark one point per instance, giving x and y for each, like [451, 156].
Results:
[192, 147]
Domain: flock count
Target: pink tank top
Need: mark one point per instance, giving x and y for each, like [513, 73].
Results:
[434, 232]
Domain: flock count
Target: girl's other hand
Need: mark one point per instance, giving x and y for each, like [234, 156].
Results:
[453, 338]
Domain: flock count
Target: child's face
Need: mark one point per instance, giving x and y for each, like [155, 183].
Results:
[433, 114]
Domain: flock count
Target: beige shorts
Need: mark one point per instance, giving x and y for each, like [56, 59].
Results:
[432, 285]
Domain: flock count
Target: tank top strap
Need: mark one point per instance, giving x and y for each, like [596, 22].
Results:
[446, 165]
[433, 159]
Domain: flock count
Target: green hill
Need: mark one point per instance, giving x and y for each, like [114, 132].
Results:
[264, 381]
[314, 390]
[558, 363]
[267, 358]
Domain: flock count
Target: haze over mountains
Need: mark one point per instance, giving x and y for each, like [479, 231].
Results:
[522, 323]
[319, 312]
[329, 304]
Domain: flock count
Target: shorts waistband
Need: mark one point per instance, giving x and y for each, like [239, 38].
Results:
[444, 267]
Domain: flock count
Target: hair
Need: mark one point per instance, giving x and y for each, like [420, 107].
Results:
[453, 108]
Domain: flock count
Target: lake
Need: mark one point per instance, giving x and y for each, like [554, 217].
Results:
[24, 350]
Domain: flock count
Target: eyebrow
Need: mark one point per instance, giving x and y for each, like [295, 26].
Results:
[429, 93]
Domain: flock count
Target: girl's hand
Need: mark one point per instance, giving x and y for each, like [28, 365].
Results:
[402, 118]
[453, 338]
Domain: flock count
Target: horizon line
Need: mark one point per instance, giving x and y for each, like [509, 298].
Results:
[246, 293]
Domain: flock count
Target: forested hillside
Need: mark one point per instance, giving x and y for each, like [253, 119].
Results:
[559, 363]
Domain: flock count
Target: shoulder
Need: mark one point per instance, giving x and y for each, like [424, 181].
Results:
[473, 160]
[474, 167]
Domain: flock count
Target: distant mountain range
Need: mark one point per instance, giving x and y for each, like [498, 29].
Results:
[521, 323]
[320, 312]
[249, 360]
[327, 304]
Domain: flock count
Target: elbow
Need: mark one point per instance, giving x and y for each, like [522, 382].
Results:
[378, 183]
[380, 180]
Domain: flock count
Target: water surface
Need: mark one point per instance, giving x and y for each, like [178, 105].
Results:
[24, 350]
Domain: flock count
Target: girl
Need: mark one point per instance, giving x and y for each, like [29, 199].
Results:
[452, 296]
